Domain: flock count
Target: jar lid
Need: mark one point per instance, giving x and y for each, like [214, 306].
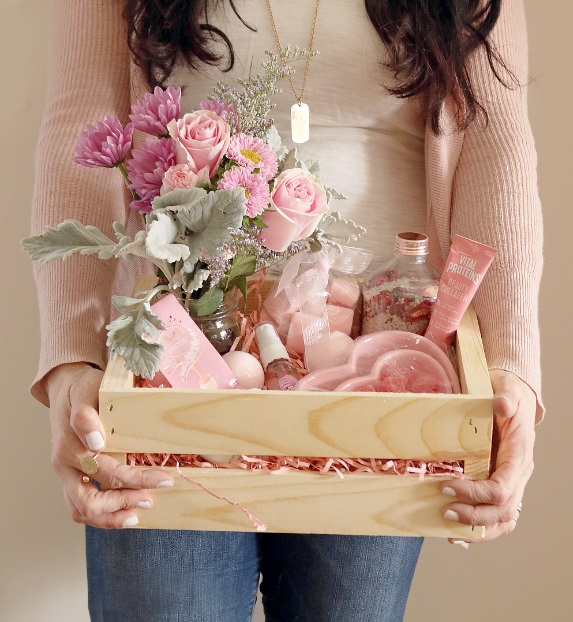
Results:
[411, 243]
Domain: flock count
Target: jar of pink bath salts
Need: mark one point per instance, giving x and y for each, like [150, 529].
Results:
[400, 296]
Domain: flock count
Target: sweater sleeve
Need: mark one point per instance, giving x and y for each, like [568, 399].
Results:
[495, 200]
[88, 77]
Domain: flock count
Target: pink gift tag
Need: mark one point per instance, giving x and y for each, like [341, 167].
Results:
[189, 360]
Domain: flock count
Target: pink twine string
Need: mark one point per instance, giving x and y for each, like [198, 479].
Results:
[256, 522]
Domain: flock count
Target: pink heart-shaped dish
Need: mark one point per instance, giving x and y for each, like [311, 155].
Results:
[367, 350]
[402, 371]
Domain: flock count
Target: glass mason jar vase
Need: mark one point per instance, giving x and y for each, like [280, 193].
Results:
[221, 327]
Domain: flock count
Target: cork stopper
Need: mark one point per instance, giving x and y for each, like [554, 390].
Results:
[411, 243]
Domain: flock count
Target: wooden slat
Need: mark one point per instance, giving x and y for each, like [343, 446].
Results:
[302, 502]
[297, 423]
[116, 376]
[474, 375]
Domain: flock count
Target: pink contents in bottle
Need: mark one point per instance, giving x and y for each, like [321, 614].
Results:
[280, 373]
[401, 295]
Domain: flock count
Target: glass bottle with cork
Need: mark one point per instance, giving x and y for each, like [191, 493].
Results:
[400, 296]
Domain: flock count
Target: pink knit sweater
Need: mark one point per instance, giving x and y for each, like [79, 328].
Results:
[481, 183]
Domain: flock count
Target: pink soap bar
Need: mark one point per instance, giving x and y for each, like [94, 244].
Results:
[295, 340]
[282, 328]
[340, 318]
[343, 292]
[278, 307]
[189, 360]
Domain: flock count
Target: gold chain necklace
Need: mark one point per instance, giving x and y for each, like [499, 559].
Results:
[299, 112]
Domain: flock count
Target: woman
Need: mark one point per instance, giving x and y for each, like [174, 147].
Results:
[449, 146]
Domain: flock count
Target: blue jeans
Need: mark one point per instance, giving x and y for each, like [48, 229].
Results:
[203, 576]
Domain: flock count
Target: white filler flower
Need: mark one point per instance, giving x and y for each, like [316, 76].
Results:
[160, 237]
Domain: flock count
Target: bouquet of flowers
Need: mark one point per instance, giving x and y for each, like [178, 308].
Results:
[221, 198]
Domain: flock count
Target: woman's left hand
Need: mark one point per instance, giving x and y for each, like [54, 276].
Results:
[496, 502]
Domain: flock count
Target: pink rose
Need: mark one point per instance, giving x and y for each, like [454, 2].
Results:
[298, 202]
[181, 176]
[201, 139]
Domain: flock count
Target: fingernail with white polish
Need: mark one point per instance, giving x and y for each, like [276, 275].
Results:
[144, 505]
[446, 490]
[463, 544]
[451, 515]
[95, 441]
[168, 483]
[131, 521]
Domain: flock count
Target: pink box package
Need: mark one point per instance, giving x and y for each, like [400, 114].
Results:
[189, 360]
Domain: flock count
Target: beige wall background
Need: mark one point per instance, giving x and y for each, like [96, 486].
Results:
[526, 576]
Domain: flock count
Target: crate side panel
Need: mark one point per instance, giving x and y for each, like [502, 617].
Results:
[295, 423]
[472, 364]
[291, 502]
[116, 376]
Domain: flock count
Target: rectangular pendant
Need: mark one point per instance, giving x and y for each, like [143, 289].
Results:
[300, 123]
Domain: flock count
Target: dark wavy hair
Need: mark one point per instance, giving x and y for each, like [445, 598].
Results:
[429, 43]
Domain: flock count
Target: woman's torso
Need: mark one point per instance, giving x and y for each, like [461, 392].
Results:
[370, 144]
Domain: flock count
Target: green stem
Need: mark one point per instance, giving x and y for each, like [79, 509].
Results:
[123, 171]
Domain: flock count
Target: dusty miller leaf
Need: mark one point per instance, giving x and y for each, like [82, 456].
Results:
[274, 141]
[290, 160]
[128, 248]
[69, 237]
[193, 282]
[119, 229]
[338, 229]
[133, 336]
[143, 296]
[211, 219]
[331, 193]
[313, 168]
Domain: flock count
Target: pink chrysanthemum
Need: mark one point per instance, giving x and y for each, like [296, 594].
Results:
[227, 112]
[154, 111]
[252, 153]
[146, 169]
[105, 144]
[143, 206]
[255, 186]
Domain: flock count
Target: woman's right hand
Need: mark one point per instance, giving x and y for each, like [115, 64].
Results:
[77, 432]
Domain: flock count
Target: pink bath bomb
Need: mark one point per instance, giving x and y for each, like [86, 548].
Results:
[340, 347]
[247, 370]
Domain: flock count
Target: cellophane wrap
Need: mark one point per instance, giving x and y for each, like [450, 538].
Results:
[316, 299]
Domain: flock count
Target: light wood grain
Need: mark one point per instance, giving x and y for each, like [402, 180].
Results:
[365, 425]
[302, 502]
[474, 375]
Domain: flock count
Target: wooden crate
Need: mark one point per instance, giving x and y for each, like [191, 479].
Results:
[383, 425]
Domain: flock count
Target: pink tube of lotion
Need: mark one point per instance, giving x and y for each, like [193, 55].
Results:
[465, 268]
